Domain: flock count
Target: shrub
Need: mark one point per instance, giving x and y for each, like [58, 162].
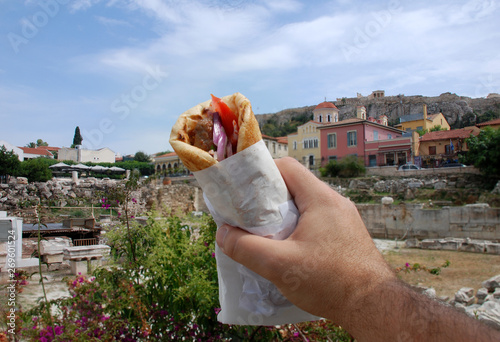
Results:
[36, 170]
[347, 167]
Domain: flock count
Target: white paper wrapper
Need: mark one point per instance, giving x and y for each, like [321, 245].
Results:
[247, 191]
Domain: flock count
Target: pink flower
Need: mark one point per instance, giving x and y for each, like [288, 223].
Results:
[217, 310]
[134, 200]
[58, 330]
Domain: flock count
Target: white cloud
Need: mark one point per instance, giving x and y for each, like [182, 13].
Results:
[111, 22]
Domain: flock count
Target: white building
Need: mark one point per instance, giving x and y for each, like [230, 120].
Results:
[81, 155]
[278, 147]
[15, 149]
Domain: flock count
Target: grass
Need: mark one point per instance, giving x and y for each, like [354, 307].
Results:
[465, 269]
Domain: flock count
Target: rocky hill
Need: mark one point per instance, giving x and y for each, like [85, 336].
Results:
[460, 111]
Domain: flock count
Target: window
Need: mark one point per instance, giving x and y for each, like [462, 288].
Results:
[447, 149]
[332, 140]
[372, 160]
[311, 160]
[311, 143]
[294, 145]
[432, 150]
[352, 138]
[389, 158]
[332, 158]
[419, 128]
[389, 136]
[401, 158]
[375, 135]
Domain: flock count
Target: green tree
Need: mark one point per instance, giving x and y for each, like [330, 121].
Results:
[77, 139]
[437, 128]
[40, 142]
[141, 156]
[9, 164]
[31, 145]
[36, 170]
[484, 152]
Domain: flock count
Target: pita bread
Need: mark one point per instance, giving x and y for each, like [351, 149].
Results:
[196, 159]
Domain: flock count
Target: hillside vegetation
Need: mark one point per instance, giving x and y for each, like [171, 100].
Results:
[459, 111]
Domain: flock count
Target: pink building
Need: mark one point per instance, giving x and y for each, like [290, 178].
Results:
[372, 140]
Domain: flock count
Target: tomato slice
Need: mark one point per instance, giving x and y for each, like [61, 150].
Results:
[228, 118]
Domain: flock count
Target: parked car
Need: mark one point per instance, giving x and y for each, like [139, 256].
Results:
[453, 165]
[408, 167]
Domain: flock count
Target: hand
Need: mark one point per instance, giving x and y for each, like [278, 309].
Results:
[331, 268]
[327, 263]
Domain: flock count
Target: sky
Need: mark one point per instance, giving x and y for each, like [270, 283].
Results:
[124, 70]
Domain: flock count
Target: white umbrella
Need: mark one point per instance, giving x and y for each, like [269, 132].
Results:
[98, 168]
[116, 169]
[58, 166]
[80, 167]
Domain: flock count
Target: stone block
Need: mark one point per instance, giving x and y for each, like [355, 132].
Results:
[465, 296]
[450, 245]
[492, 283]
[79, 267]
[86, 252]
[430, 244]
[387, 200]
[412, 243]
[492, 248]
[481, 295]
[54, 246]
[472, 246]
[22, 180]
[53, 258]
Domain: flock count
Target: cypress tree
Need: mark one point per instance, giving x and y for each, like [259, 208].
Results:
[77, 140]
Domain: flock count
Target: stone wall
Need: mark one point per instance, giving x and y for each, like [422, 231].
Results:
[19, 196]
[406, 221]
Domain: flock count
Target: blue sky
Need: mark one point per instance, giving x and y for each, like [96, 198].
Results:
[123, 70]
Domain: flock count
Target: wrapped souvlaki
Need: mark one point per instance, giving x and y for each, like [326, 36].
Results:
[220, 142]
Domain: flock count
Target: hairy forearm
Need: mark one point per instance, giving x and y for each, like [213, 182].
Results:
[393, 311]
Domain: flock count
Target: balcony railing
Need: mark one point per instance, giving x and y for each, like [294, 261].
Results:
[85, 242]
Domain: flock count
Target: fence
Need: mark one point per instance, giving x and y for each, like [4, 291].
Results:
[85, 242]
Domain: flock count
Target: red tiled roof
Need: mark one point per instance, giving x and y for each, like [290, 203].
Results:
[283, 140]
[488, 123]
[167, 155]
[461, 133]
[268, 137]
[36, 150]
[325, 105]
[50, 148]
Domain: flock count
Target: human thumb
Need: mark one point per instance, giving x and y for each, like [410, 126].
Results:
[257, 253]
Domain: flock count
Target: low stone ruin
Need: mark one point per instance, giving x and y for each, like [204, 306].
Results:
[456, 244]
[484, 305]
